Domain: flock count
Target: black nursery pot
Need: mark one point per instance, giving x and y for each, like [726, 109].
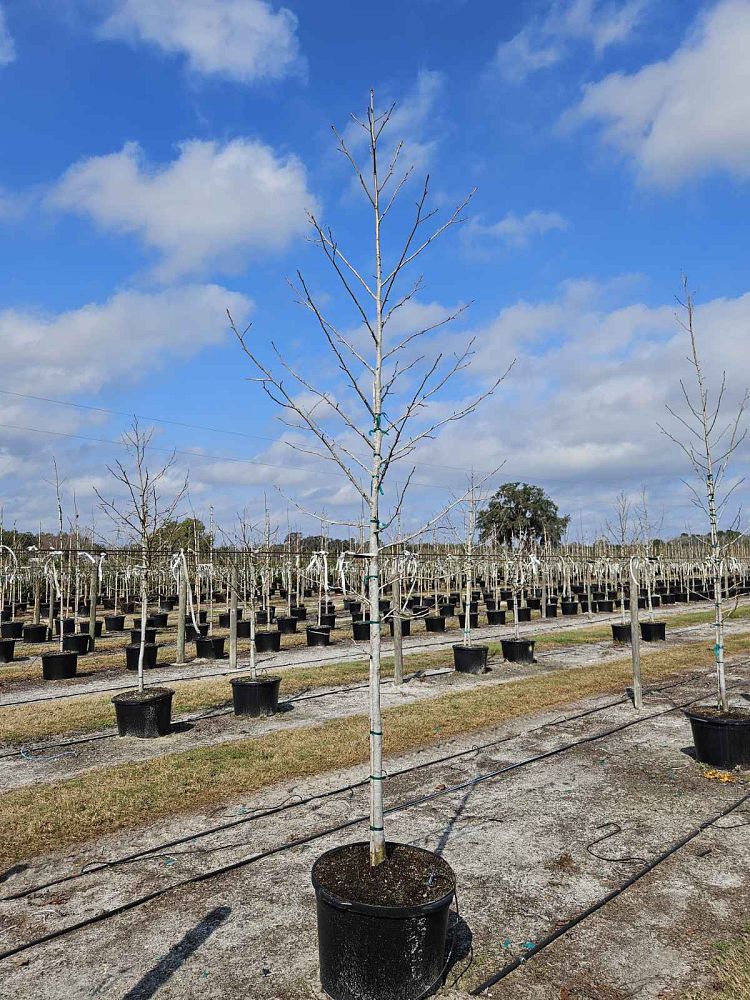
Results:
[243, 630]
[80, 643]
[11, 630]
[35, 633]
[535, 603]
[570, 608]
[299, 612]
[209, 647]
[518, 650]
[84, 627]
[524, 614]
[114, 623]
[653, 631]
[135, 635]
[191, 634]
[267, 642]
[361, 631]
[496, 617]
[7, 650]
[144, 714]
[470, 659]
[621, 633]
[405, 627]
[354, 938]
[606, 606]
[318, 635]
[328, 620]
[286, 626]
[721, 740]
[68, 625]
[59, 666]
[551, 611]
[255, 697]
[473, 620]
[159, 620]
[150, 652]
[435, 623]
[447, 610]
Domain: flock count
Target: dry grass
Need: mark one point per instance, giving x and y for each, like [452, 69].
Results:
[68, 812]
[731, 972]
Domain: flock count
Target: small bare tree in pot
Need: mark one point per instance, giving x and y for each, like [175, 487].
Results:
[141, 512]
[721, 732]
[382, 907]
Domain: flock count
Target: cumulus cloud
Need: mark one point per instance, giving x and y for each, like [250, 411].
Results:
[7, 45]
[213, 205]
[516, 230]
[546, 41]
[240, 40]
[687, 115]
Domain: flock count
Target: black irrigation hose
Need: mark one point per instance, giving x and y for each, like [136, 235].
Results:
[602, 902]
[340, 790]
[266, 665]
[310, 838]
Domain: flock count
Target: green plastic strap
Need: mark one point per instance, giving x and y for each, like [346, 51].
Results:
[374, 732]
[377, 777]
[378, 417]
[376, 829]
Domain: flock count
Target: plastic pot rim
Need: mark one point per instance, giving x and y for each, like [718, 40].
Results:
[378, 910]
[148, 694]
[255, 681]
[719, 720]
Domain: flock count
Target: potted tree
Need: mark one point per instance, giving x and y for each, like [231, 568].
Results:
[468, 658]
[141, 511]
[374, 898]
[721, 732]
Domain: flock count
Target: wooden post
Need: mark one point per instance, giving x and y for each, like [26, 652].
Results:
[233, 618]
[93, 595]
[398, 641]
[181, 612]
[635, 640]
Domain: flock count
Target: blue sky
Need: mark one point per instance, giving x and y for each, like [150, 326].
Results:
[158, 159]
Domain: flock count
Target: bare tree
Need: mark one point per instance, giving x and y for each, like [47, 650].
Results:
[710, 442]
[142, 511]
[352, 430]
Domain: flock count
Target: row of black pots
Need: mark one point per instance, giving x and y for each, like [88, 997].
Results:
[650, 632]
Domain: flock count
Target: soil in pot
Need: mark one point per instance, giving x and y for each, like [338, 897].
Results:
[397, 911]
[150, 652]
[721, 739]
[268, 642]
[470, 659]
[59, 666]
[518, 650]
[318, 635]
[144, 714]
[621, 633]
[210, 647]
[255, 697]
[653, 631]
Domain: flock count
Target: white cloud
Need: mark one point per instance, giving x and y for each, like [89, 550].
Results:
[241, 40]
[124, 338]
[516, 230]
[687, 115]
[7, 45]
[213, 205]
[546, 41]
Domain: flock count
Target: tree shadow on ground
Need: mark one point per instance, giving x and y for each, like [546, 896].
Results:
[150, 984]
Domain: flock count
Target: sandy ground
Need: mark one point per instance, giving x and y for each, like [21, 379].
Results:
[521, 844]
[343, 649]
[47, 762]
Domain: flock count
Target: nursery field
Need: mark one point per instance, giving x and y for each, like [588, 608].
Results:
[592, 850]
